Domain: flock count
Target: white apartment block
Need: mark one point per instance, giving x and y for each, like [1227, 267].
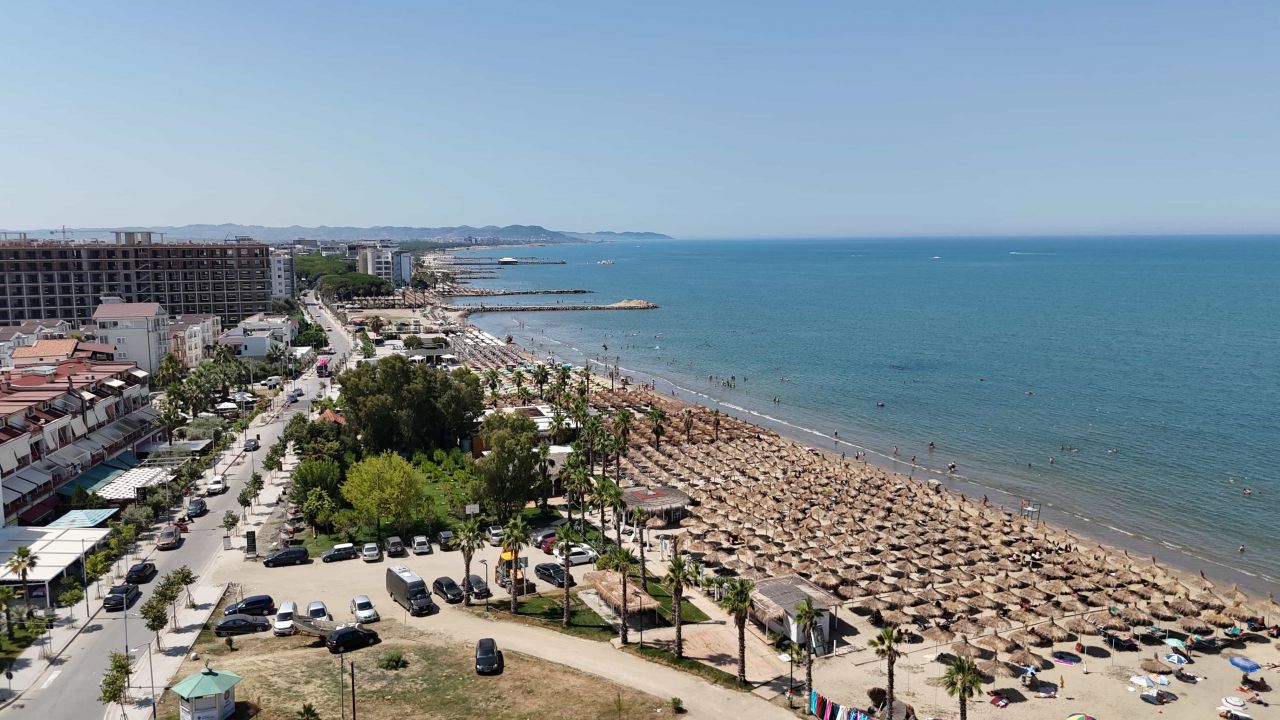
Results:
[394, 266]
[282, 274]
[139, 331]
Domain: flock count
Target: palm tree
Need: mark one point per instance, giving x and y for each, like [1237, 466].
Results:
[737, 601]
[656, 417]
[540, 377]
[637, 521]
[619, 560]
[578, 485]
[886, 645]
[557, 425]
[562, 374]
[275, 354]
[493, 380]
[604, 495]
[308, 712]
[515, 537]
[565, 540]
[517, 377]
[169, 371]
[617, 504]
[524, 395]
[622, 423]
[807, 617]
[680, 574]
[470, 538]
[584, 376]
[545, 463]
[170, 419]
[592, 429]
[21, 563]
[962, 680]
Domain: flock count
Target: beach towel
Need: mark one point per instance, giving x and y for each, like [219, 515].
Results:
[827, 714]
[843, 714]
[813, 703]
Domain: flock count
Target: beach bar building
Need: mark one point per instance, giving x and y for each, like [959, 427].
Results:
[775, 601]
[207, 695]
[656, 501]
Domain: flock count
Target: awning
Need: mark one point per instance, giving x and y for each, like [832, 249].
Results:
[147, 412]
[88, 445]
[68, 455]
[114, 383]
[34, 474]
[92, 480]
[86, 395]
[8, 459]
[78, 428]
[15, 486]
[129, 424]
[109, 435]
[83, 518]
[100, 416]
[39, 512]
[140, 374]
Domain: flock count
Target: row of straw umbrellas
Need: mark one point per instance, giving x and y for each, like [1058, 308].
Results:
[915, 552]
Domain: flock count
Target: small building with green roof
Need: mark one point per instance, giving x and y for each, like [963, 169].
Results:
[207, 695]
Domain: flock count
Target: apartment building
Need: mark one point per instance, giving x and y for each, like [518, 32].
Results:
[193, 337]
[50, 279]
[394, 266]
[282, 273]
[61, 420]
[139, 331]
[254, 337]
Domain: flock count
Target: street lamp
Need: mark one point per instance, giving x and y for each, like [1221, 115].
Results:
[151, 669]
[790, 661]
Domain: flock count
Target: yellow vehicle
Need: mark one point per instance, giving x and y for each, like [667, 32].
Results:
[504, 571]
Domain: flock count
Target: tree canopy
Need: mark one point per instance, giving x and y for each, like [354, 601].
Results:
[509, 473]
[349, 285]
[410, 407]
[386, 486]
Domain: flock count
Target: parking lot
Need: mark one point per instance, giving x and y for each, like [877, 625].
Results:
[336, 583]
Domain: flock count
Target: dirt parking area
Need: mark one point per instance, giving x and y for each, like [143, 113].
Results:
[439, 681]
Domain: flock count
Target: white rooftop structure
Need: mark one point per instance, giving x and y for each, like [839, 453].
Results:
[55, 548]
[125, 487]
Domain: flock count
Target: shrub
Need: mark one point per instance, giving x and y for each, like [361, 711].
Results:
[392, 660]
[677, 705]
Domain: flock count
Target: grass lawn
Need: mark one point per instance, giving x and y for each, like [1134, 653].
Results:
[689, 612]
[706, 672]
[546, 610]
[279, 674]
[22, 638]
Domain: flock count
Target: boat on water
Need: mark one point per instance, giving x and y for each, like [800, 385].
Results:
[604, 262]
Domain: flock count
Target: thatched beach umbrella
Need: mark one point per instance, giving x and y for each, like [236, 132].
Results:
[1240, 612]
[995, 668]
[964, 648]
[998, 643]
[1218, 620]
[1134, 616]
[1052, 632]
[938, 635]
[1080, 626]
[1026, 638]
[1026, 658]
[1183, 606]
[1194, 625]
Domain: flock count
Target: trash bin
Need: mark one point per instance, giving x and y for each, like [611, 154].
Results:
[226, 542]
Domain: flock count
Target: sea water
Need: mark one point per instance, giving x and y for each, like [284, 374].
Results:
[1130, 387]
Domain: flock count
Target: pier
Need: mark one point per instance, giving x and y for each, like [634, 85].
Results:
[486, 292]
[495, 261]
[620, 305]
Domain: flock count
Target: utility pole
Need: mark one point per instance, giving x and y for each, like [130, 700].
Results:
[353, 691]
[342, 697]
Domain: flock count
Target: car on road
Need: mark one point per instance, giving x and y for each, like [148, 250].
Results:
[295, 555]
[370, 552]
[253, 605]
[341, 551]
[579, 554]
[548, 543]
[252, 445]
[447, 589]
[421, 545]
[479, 588]
[553, 574]
[217, 485]
[316, 610]
[494, 534]
[283, 625]
[168, 538]
[445, 539]
[121, 597]
[488, 657]
[362, 608]
[350, 638]
[240, 625]
[197, 507]
[395, 547]
[140, 573]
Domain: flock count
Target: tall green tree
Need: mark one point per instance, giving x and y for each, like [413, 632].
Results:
[469, 539]
[169, 371]
[318, 508]
[21, 563]
[619, 560]
[115, 681]
[508, 474]
[888, 645]
[386, 486]
[657, 418]
[155, 614]
[566, 538]
[7, 596]
[540, 377]
[186, 578]
[962, 681]
[680, 575]
[736, 600]
[807, 616]
[515, 537]
[170, 419]
[410, 407]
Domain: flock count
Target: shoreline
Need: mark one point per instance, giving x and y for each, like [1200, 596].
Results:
[1113, 540]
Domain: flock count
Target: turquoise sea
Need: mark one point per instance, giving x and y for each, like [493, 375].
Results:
[1147, 368]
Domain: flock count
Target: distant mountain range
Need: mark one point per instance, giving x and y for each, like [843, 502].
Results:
[510, 233]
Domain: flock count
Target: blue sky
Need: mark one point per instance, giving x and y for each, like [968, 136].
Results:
[699, 119]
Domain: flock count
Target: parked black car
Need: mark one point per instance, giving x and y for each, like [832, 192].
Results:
[121, 597]
[296, 555]
[341, 551]
[446, 588]
[445, 539]
[479, 588]
[350, 638]
[140, 572]
[554, 574]
[253, 605]
[240, 625]
[488, 657]
[395, 547]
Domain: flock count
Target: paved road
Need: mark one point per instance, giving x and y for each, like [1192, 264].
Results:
[68, 690]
